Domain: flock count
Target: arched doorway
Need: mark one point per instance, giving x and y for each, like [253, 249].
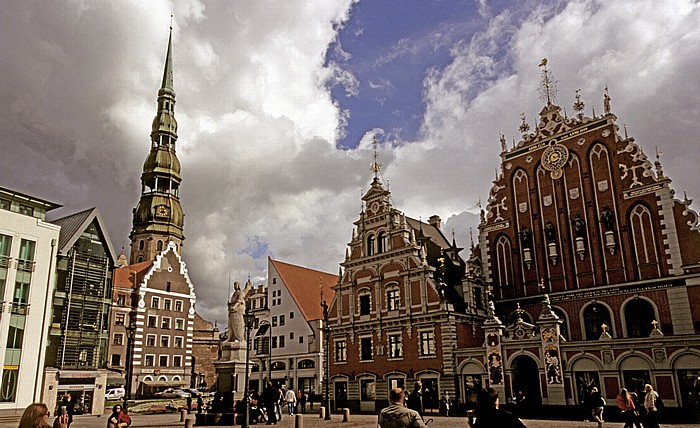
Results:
[526, 382]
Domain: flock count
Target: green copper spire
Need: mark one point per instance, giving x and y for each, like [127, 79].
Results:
[158, 217]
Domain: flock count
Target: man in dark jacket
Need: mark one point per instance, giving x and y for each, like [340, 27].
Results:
[269, 397]
[488, 415]
[415, 398]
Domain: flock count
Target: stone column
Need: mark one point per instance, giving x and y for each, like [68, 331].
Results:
[493, 332]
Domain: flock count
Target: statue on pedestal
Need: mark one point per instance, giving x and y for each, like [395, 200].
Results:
[236, 309]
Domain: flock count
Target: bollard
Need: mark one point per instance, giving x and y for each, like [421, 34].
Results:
[322, 413]
[346, 415]
[298, 421]
[189, 423]
[183, 415]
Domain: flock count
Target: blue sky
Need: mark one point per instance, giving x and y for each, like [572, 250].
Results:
[278, 101]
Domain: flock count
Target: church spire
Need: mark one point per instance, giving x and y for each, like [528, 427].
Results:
[158, 217]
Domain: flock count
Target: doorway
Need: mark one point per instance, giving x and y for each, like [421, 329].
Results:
[526, 382]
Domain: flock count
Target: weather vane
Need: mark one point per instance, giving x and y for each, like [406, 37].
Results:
[376, 167]
[548, 86]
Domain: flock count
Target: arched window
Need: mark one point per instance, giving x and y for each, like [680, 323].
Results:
[140, 259]
[278, 365]
[382, 242]
[306, 364]
[503, 261]
[639, 315]
[364, 302]
[141, 245]
[370, 245]
[160, 245]
[594, 316]
[644, 242]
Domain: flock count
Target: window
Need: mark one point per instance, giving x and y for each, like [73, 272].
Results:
[393, 299]
[301, 339]
[427, 343]
[165, 323]
[274, 342]
[121, 300]
[149, 360]
[178, 306]
[152, 321]
[26, 210]
[159, 246]
[281, 341]
[274, 321]
[155, 302]
[179, 324]
[382, 242]
[165, 341]
[306, 364]
[281, 319]
[151, 340]
[291, 315]
[167, 304]
[639, 315]
[4, 204]
[370, 245]
[177, 360]
[141, 245]
[274, 280]
[118, 339]
[291, 335]
[178, 342]
[119, 319]
[163, 361]
[341, 354]
[364, 304]
[366, 349]
[116, 360]
[594, 316]
[395, 349]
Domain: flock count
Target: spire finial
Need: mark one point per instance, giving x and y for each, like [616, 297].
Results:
[376, 167]
[659, 170]
[471, 236]
[606, 101]
[579, 105]
[524, 127]
[626, 136]
[503, 141]
[168, 71]
[548, 85]
[171, 22]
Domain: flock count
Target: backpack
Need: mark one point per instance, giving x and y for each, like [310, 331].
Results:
[659, 403]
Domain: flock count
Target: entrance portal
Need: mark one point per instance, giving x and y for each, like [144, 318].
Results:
[526, 382]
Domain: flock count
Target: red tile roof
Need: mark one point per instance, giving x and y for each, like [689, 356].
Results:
[303, 284]
[124, 277]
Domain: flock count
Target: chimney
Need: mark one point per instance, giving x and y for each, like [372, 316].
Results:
[434, 221]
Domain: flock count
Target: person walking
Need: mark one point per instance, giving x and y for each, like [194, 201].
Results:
[598, 405]
[415, 398]
[270, 397]
[489, 415]
[627, 408]
[397, 415]
[650, 398]
[302, 401]
[291, 399]
[445, 401]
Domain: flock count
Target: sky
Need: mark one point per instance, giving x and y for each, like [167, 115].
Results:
[278, 102]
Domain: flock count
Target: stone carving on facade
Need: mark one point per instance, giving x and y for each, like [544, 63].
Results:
[694, 222]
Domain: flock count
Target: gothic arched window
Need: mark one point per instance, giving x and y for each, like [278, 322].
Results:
[141, 245]
[644, 242]
[504, 265]
[160, 245]
[639, 315]
[594, 316]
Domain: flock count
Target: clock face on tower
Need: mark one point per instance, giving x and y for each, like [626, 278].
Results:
[162, 211]
[374, 207]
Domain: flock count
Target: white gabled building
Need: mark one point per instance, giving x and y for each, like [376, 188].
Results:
[292, 307]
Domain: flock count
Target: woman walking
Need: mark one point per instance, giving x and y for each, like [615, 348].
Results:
[627, 409]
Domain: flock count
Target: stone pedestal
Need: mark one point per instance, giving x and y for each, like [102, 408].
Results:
[230, 372]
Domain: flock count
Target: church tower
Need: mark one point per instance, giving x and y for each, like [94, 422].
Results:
[158, 217]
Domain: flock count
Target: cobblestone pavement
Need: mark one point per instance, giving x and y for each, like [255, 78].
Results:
[313, 421]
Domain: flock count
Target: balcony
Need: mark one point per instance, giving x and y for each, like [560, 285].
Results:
[25, 265]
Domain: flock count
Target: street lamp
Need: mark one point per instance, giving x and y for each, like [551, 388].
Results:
[248, 320]
[129, 366]
[326, 333]
[266, 327]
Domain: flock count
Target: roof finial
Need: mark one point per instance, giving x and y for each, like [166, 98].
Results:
[626, 136]
[659, 170]
[548, 85]
[171, 22]
[471, 236]
[375, 166]
[524, 127]
[503, 142]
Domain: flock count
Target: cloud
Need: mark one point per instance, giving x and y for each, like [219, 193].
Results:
[258, 126]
